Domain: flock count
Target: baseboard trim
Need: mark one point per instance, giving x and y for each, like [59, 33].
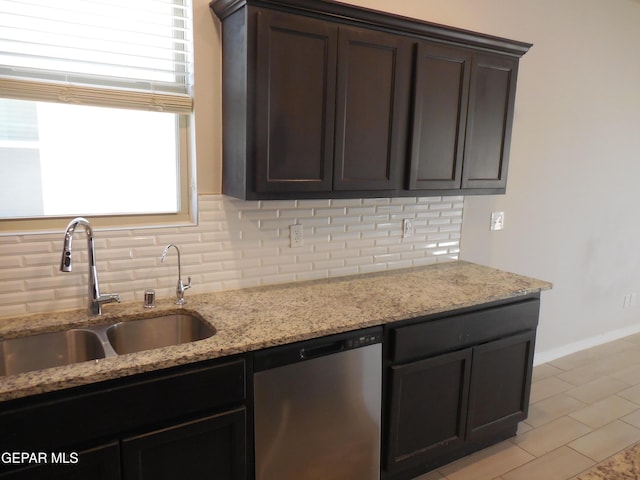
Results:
[550, 355]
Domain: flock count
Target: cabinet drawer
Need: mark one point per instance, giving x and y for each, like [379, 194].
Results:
[80, 415]
[446, 334]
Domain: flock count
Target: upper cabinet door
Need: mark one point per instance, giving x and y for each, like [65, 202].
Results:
[372, 109]
[441, 90]
[326, 100]
[491, 103]
[295, 103]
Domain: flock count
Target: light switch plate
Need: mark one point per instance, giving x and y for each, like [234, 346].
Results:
[497, 221]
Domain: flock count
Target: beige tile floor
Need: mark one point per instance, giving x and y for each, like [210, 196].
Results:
[584, 408]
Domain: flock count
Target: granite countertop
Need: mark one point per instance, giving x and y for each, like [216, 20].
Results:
[251, 319]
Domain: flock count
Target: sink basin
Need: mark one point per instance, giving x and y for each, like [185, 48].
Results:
[37, 352]
[47, 350]
[149, 333]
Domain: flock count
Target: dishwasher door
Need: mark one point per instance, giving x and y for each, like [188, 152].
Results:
[319, 417]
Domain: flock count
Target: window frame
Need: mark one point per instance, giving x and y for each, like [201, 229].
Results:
[187, 213]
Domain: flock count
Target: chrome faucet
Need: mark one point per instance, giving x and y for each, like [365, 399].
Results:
[95, 298]
[180, 287]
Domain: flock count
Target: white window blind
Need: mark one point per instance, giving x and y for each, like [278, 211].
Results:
[131, 54]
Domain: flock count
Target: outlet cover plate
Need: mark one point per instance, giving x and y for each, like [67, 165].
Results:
[497, 221]
[407, 228]
[295, 235]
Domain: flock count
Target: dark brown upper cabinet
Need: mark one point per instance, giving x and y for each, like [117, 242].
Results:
[463, 110]
[372, 106]
[324, 100]
[441, 89]
[492, 95]
[295, 103]
[323, 121]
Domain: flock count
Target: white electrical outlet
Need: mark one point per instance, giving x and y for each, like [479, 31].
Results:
[295, 235]
[407, 228]
[497, 221]
[629, 300]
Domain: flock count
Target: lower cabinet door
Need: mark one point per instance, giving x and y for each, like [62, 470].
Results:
[428, 409]
[100, 463]
[500, 385]
[212, 448]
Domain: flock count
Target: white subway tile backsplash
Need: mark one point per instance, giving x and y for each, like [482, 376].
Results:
[314, 257]
[130, 264]
[357, 210]
[330, 229]
[420, 262]
[320, 203]
[15, 310]
[327, 264]
[345, 236]
[14, 261]
[127, 241]
[375, 267]
[278, 278]
[295, 213]
[378, 233]
[313, 275]
[361, 260]
[374, 201]
[26, 248]
[51, 283]
[392, 265]
[295, 267]
[28, 296]
[314, 221]
[25, 273]
[331, 213]
[273, 204]
[236, 244]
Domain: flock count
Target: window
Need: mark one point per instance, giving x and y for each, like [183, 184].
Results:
[95, 108]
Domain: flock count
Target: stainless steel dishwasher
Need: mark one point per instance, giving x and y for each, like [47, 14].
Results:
[318, 408]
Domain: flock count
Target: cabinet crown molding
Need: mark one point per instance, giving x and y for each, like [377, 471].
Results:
[374, 19]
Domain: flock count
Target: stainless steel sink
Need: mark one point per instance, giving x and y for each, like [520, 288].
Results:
[37, 352]
[155, 332]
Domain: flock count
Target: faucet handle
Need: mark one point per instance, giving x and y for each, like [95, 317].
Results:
[96, 305]
[108, 298]
[188, 285]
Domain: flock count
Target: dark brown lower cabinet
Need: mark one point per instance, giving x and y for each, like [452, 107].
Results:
[446, 405]
[183, 422]
[500, 385]
[212, 448]
[428, 404]
[208, 448]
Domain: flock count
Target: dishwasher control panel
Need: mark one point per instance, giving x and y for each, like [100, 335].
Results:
[319, 347]
[363, 340]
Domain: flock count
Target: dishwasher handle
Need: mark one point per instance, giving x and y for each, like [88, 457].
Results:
[321, 350]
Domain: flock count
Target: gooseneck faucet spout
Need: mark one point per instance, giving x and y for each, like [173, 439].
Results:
[180, 287]
[95, 298]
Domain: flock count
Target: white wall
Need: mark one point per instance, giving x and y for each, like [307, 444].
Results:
[573, 192]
